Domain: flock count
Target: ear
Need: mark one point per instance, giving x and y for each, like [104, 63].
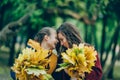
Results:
[46, 37]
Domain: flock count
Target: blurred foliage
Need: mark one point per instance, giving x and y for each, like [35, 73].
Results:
[98, 21]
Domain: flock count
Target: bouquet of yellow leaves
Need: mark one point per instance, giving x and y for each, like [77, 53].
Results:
[78, 60]
[30, 64]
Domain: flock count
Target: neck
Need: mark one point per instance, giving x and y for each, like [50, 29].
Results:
[44, 45]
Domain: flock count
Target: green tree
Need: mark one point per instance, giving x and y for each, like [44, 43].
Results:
[97, 20]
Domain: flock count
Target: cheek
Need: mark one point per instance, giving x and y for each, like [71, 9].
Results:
[65, 42]
[53, 40]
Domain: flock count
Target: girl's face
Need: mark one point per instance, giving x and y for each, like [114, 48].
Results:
[63, 40]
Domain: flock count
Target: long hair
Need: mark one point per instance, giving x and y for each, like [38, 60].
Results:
[71, 33]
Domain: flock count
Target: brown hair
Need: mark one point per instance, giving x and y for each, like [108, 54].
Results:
[44, 31]
[71, 33]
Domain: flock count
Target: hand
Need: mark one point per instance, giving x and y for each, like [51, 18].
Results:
[73, 78]
[72, 74]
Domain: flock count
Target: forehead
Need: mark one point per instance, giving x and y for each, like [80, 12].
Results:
[53, 33]
[60, 35]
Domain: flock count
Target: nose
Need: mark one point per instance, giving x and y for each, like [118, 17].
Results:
[61, 43]
[56, 41]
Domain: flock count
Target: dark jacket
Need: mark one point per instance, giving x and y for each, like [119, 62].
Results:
[60, 75]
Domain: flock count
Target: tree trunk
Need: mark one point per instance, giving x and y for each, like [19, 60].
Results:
[12, 51]
[110, 74]
[89, 34]
[110, 67]
[12, 28]
[110, 45]
[86, 32]
[109, 71]
[103, 38]
[94, 37]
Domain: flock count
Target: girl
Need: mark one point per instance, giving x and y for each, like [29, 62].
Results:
[69, 35]
[47, 39]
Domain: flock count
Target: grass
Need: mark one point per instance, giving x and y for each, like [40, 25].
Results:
[5, 73]
[4, 69]
[116, 73]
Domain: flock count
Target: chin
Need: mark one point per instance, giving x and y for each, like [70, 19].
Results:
[53, 47]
